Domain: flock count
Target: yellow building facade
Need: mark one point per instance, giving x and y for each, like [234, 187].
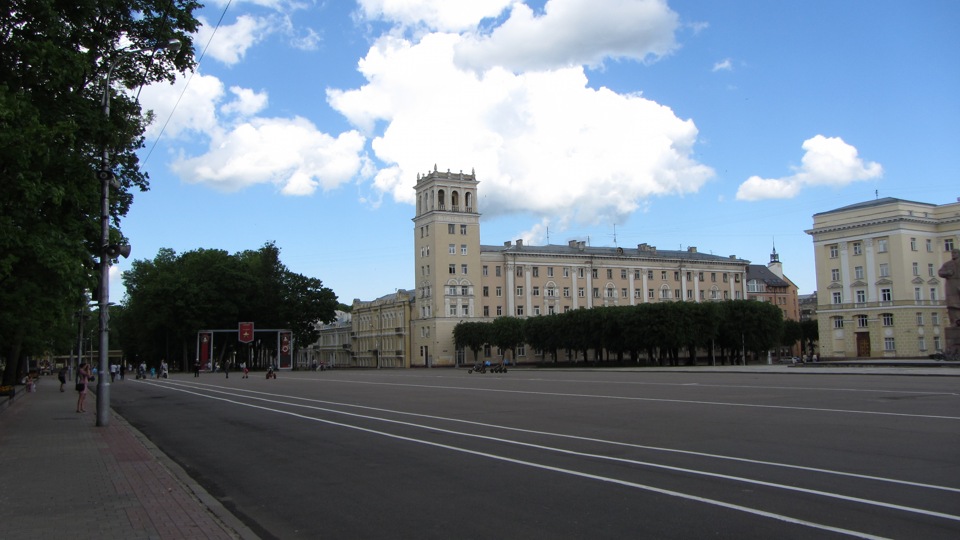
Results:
[877, 286]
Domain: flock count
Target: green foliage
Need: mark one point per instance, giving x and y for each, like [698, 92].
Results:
[54, 58]
[172, 297]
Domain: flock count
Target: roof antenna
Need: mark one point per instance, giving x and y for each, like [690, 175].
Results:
[548, 235]
[876, 194]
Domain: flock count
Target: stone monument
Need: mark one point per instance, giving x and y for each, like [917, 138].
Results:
[950, 271]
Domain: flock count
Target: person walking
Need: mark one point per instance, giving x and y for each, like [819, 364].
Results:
[62, 376]
[246, 372]
[226, 369]
[83, 377]
[196, 368]
[164, 369]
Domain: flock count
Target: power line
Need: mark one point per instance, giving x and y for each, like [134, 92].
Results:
[185, 86]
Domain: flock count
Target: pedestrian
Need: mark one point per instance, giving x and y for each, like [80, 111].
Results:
[83, 377]
[226, 369]
[196, 368]
[246, 372]
[114, 369]
[123, 370]
[164, 369]
[62, 376]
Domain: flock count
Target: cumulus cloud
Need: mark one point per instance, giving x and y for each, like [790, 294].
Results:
[231, 41]
[442, 15]
[543, 142]
[723, 65]
[247, 102]
[291, 153]
[573, 33]
[827, 161]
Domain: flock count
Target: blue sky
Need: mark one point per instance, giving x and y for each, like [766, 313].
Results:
[720, 125]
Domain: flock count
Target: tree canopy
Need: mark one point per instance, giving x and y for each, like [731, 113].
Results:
[54, 60]
[172, 297]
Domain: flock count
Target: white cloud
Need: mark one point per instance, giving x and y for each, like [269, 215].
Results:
[442, 15]
[723, 65]
[290, 153]
[179, 111]
[542, 142]
[247, 103]
[828, 161]
[573, 33]
[230, 43]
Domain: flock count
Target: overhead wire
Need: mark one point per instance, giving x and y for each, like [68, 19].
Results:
[187, 85]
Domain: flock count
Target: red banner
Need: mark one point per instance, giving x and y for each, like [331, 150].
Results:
[245, 334]
[286, 350]
[204, 348]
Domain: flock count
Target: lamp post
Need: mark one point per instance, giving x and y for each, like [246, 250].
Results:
[109, 251]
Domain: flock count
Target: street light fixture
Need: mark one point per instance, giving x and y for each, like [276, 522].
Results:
[109, 251]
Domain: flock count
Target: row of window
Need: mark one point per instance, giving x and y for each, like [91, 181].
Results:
[886, 295]
[884, 270]
[609, 292]
[595, 273]
[883, 246]
[451, 229]
[863, 321]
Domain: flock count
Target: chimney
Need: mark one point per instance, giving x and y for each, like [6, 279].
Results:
[519, 242]
[572, 243]
[691, 249]
[507, 243]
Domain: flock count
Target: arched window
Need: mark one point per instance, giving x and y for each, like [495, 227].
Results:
[468, 201]
[454, 201]
[441, 200]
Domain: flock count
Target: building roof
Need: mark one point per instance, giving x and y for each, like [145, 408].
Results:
[762, 273]
[643, 251]
[869, 204]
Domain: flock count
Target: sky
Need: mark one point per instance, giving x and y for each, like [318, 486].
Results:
[720, 125]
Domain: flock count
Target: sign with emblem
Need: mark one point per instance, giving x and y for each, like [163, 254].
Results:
[245, 332]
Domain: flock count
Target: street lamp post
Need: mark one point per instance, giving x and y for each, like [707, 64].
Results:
[109, 251]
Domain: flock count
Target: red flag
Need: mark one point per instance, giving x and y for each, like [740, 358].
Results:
[245, 334]
[286, 352]
[204, 348]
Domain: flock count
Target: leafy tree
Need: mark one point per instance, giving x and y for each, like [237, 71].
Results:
[472, 335]
[792, 333]
[507, 333]
[54, 57]
[810, 332]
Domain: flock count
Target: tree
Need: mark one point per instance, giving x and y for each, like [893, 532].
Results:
[507, 333]
[54, 56]
[471, 335]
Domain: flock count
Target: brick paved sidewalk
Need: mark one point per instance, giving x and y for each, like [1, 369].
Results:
[60, 474]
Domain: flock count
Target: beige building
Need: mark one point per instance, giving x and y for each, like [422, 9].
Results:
[459, 279]
[769, 284]
[380, 336]
[877, 285]
[333, 346]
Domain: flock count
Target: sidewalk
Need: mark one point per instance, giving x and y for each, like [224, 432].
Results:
[61, 475]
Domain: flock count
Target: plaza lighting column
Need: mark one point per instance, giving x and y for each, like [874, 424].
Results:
[107, 251]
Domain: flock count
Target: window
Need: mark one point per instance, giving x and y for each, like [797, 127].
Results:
[936, 343]
[933, 294]
[834, 251]
[611, 292]
[884, 270]
[486, 290]
[463, 230]
[465, 290]
[566, 271]
[929, 245]
[916, 269]
[663, 275]
[834, 274]
[452, 249]
[857, 248]
[581, 292]
[637, 293]
[595, 273]
[676, 276]
[887, 319]
[649, 274]
[935, 319]
[837, 297]
[886, 295]
[922, 343]
[549, 271]
[596, 292]
[550, 310]
[519, 271]
[913, 244]
[948, 244]
[499, 311]
[882, 245]
[536, 310]
[713, 277]
[580, 272]
[889, 344]
[536, 271]
[650, 294]
[551, 292]
[623, 292]
[862, 321]
[919, 319]
[689, 294]
[535, 291]
[609, 273]
[499, 291]
[519, 311]
[676, 293]
[623, 273]
[450, 228]
[858, 272]
[486, 311]
[566, 292]
[485, 270]
[453, 269]
[700, 276]
[453, 311]
[917, 295]
[465, 311]
[463, 249]
[861, 296]
[496, 271]
[837, 322]
[463, 269]
[519, 290]
[452, 290]
[930, 269]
